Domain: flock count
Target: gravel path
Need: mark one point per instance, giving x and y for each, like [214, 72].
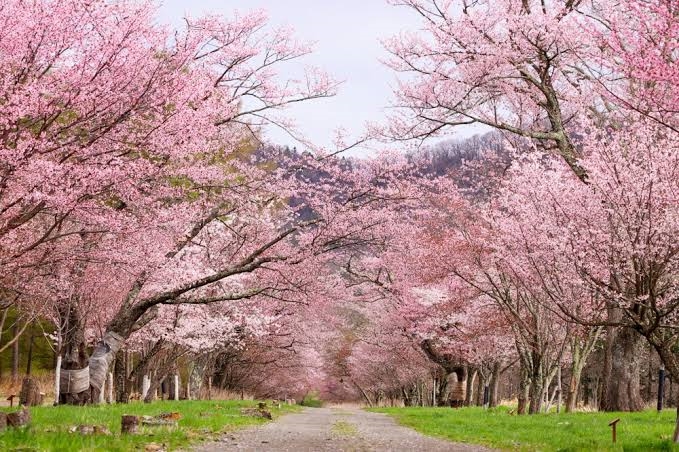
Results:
[333, 429]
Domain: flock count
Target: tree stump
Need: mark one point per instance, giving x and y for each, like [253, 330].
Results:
[30, 394]
[84, 429]
[129, 424]
[101, 430]
[19, 418]
[256, 412]
[162, 419]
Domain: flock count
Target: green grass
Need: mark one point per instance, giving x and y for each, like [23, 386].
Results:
[201, 420]
[643, 431]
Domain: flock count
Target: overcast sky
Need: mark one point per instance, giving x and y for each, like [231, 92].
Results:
[347, 35]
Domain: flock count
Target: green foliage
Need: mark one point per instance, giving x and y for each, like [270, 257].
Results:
[201, 420]
[644, 431]
[42, 353]
[311, 400]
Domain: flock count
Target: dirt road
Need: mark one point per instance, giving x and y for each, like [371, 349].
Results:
[333, 429]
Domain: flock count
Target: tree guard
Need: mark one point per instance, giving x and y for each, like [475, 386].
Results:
[101, 359]
[74, 381]
[57, 380]
[457, 384]
[458, 391]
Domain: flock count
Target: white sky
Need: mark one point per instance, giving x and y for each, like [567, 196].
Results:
[347, 35]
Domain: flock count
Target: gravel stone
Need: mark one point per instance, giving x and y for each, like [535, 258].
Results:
[316, 429]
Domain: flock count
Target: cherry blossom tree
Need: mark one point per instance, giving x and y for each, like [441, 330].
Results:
[509, 65]
[545, 74]
[104, 96]
[616, 243]
[637, 67]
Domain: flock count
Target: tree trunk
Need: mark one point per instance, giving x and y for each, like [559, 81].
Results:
[524, 388]
[120, 377]
[109, 388]
[494, 385]
[145, 386]
[364, 394]
[174, 386]
[15, 352]
[532, 363]
[152, 388]
[622, 367]
[573, 388]
[196, 378]
[442, 388]
[57, 379]
[102, 357]
[73, 389]
[404, 395]
[479, 390]
[559, 385]
[535, 394]
[434, 386]
[471, 378]
[671, 361]
[119, 329]
[29, 358]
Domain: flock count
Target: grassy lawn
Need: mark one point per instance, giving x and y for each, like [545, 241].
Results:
[201, 420]
[643, 431]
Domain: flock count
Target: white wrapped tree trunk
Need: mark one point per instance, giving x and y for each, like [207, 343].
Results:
[101, 395]
[110, 387]
[57, 379]
[145, 385]
[176, 387]
[195, 380]
[101, 359]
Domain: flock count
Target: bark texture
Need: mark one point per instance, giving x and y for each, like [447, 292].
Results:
[623, 364]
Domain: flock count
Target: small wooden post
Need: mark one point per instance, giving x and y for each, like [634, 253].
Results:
[11, 400]
[613, 424]
[661, 386]
[129, 424]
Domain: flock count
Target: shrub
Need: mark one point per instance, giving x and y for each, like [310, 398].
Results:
[311, 399]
